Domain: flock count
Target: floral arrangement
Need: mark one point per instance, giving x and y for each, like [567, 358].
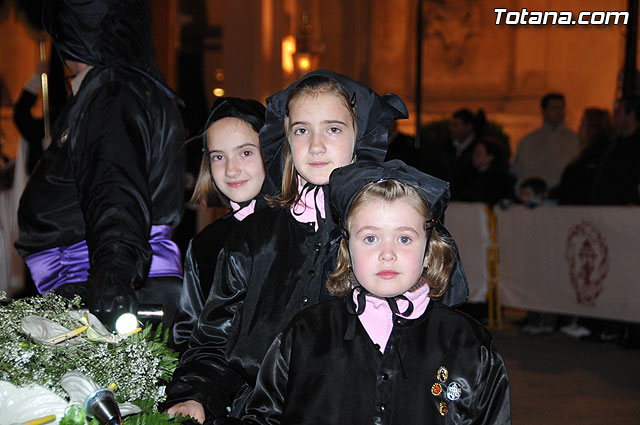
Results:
[134, 367]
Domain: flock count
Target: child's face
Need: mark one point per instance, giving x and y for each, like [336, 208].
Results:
[481, 159]
[321, 136]
[387, 245]
[236, 161]
[526, 194]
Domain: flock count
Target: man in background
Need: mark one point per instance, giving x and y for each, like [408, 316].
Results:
[546, 151]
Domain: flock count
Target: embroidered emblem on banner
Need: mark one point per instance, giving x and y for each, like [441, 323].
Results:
[454, 391]
[436, 389]
[587, 255]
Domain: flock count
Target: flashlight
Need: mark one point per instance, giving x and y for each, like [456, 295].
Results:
[145, 313]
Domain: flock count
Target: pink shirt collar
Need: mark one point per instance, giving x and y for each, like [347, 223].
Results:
[377, 317]
[304, 210]
[241, 213]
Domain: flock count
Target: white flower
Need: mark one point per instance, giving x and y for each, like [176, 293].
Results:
[79, 387]
[18, 405]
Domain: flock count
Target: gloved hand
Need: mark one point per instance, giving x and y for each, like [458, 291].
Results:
[108, 299]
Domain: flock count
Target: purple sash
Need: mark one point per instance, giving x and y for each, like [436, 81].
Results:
[55, 267]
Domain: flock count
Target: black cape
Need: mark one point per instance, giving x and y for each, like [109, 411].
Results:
[199, 269]
[314, 374]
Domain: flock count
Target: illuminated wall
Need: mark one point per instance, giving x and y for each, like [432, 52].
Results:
[467, 59]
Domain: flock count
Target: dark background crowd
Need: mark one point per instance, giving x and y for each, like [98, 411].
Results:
[598, 165]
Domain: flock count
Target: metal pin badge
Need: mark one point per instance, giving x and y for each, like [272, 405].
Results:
[442, 374]
[436, 389]
[443, 408]
[454, 391]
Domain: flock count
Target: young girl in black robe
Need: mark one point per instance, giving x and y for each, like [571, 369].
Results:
[387, 352]
[275, 263]
[233, 171]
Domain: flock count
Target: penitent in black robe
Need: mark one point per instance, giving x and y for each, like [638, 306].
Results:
[115, 166]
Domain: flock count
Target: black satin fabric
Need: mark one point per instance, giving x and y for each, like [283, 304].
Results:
[313, 374]
[113, 169]
[271, 267]
[199, 269]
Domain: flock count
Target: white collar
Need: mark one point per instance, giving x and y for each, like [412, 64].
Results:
[77, 80]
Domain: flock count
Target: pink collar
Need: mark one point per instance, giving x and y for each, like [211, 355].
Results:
[377, 317]
[241, 213]
[304, 210]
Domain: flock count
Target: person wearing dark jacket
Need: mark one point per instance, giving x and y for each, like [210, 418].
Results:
[275, 262]
[95, 218]
[617, 179]
[488, 179]
[231, 170]
[596, 136]
[388, 351]
[452, 158]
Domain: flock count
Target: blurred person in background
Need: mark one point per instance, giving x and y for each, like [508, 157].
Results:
[596, 136]
[545, 152]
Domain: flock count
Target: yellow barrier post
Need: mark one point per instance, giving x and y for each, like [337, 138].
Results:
[493, 261]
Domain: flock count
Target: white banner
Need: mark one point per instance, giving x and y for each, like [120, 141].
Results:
[573, 260]
[467, 223]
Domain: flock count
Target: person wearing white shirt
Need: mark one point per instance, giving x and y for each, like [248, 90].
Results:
[546, 151]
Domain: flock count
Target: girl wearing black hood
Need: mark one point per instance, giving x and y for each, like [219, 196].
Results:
[231, 170]
[276, 262]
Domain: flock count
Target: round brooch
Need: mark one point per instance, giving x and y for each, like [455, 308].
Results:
[454, 391]
[436, 389]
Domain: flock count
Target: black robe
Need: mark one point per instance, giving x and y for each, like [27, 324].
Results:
[271, 267]
[199, 269]
[315, 373]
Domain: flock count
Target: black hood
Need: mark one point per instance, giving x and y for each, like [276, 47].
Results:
[105, 33]
[373, 114]
[248, 110]
[346, 182]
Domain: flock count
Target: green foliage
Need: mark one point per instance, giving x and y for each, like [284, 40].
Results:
[76, 416]
[151, 419]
